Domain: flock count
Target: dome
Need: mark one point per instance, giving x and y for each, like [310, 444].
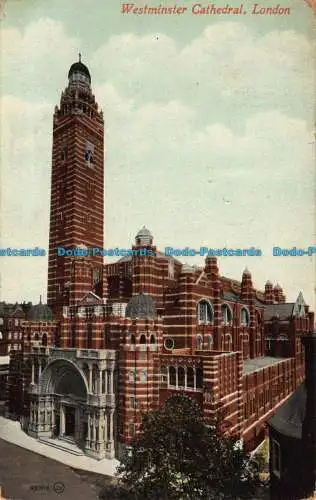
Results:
[144, 236]
[141, 306]
[144, 232]
[40, 312]
[277, 287]
[186, 268]
[268, 283]
[246, 272]
[79, 67]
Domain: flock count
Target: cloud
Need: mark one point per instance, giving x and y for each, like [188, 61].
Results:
[207, 143]
[25, 168]
[33, 59]
[227, 60]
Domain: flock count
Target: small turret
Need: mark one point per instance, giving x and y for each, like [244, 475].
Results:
[268, 293]
[246, 285]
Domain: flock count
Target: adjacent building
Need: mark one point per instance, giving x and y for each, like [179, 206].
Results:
[292, 433]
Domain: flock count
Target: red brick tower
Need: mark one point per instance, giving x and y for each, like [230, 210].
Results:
[247, 296]
[212, 272]
[76, 210]
[145, 276]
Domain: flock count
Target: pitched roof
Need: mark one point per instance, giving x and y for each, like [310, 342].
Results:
[158, 254]
[280, 311]
[40, 312]
[230, 296]
[289, 417]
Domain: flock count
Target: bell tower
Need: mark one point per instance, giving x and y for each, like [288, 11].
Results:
[77, 189]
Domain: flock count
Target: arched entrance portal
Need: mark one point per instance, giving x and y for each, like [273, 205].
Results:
[64, 377]
[65, 388]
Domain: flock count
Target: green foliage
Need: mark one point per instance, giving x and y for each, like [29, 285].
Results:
[178, 457]
[262, 456]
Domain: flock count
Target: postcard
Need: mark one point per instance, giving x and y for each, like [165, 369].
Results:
[157, 165]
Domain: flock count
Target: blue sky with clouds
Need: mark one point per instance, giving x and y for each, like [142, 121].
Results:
[208, 124]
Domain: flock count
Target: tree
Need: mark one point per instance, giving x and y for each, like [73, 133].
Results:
[179, 455]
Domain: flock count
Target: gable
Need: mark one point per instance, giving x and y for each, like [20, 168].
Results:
[299, 306]
[90, 299]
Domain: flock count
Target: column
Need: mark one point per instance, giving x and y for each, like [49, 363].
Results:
[90, 379]
[194, 378]
[111, 426]
[31, 414]
[53, 417]
[100, 381]
[77, 424]
[105, 381]
[45, 415]
[177, 377]
[89, 430]
[106, 434]
[185, 377]
[111, 382]
[61, 421]
[93, 432]
[39, 369]
[32, 372]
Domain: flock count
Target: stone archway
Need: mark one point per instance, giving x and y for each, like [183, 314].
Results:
[63, 377]
[63, 392]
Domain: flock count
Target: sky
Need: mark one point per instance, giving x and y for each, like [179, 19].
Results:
[209, 125]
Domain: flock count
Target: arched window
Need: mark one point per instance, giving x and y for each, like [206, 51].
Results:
[152, 339]
[228, 341]
[172, 375]
[36, 337]
[244, 317]
[132, 375]
[133, 339]
[171, 269]
[205, 312]
[210, 342]
[44, 339]
[199, 378]
[181, 377]
[199, 342]
[245, 344]
[143, 376]
[95, 376]
[142, 339]
[190, 377]
[163, 374]
[258, 318]
[227, 315]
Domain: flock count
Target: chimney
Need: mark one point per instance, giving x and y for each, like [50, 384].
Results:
[309, 423]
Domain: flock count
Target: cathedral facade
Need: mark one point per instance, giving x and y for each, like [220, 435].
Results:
[123, 337]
